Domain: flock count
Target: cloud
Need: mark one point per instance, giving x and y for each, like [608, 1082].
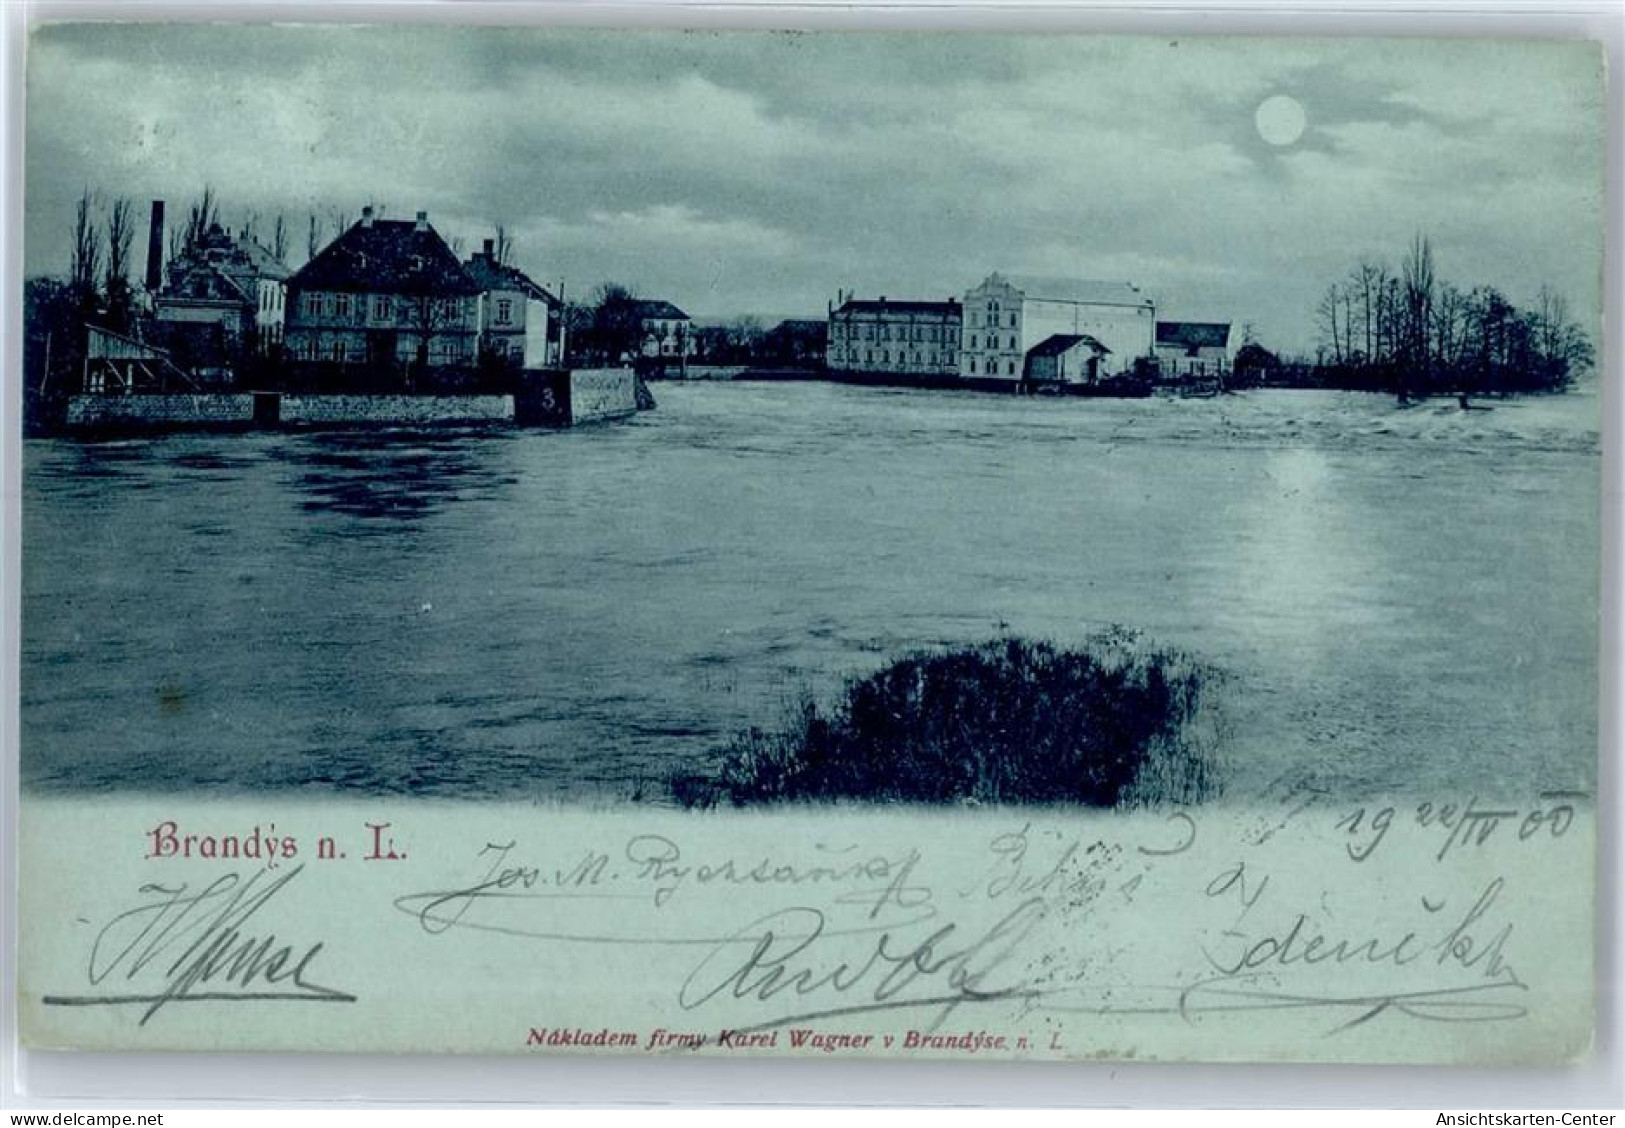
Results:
[758, 172]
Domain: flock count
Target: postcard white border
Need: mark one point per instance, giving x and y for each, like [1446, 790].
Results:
[126, 1081]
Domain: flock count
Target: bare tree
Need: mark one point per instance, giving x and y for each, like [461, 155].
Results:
[279, 239]
[1365, 291]
[502, 245]
[85, 264]
[313, 236]
[429, 317]
[1561, 347]
[1332, 321]
[1419, 293]
[202, 215]
[120, 235]
[1450, 315]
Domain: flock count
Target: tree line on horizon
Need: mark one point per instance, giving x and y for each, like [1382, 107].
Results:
[1407, 331]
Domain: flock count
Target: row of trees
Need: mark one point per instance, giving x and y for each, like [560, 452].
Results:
[1407, 331]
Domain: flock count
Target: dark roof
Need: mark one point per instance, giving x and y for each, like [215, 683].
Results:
[1063, 342]
[387, 256]
[491, 275]
[651, 309]
[194, 280]
[949, 308]
[1193, 334]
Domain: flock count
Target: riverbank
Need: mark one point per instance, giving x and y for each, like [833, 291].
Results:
[553, 400]
[1117, 386]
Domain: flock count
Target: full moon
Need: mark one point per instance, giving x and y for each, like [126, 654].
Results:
[1280, 119]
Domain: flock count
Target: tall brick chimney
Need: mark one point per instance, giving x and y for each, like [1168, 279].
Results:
[366, 216]
[155, 248]
[423, 221]
[490, 247]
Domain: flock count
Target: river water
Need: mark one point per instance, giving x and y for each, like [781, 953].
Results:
[1400, 600]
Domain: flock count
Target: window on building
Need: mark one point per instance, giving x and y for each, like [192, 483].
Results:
[341, 305]
[885, 356]
[338, 349]
[1012, 342]
[380, 308]
[973, 340]
[504, 311]
[1010, 368]
[973, 364]
[1012, 321]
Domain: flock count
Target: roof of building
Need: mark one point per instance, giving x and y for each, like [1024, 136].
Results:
[949, 308]
[387, 256]
[656, 309]
[1037, 287]
[196, 281]
[264, 263]
[1193, 334]
[226, 265]
[1063, 342]
[488, 274]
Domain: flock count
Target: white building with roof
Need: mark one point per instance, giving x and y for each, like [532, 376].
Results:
[1009, 314]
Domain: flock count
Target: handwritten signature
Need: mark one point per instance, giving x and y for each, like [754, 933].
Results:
[884, 940]
[187, 945]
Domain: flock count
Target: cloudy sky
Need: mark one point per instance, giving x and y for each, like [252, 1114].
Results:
[757, 173]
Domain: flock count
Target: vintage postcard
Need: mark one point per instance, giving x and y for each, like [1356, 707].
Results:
[895, 545]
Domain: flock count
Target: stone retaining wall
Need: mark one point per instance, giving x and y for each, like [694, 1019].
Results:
[393, 410]
[164, 412]
[551, 399]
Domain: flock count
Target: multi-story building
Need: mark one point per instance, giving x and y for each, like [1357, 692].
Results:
[663, 330]
[1007, 315]
[385, 294]
[518, 318]
[1193, 348]
[222, 280]
[895, 338]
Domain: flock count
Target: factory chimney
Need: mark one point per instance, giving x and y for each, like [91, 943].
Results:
[155, 248]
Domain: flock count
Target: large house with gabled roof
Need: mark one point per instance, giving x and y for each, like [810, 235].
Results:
[384, 294]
